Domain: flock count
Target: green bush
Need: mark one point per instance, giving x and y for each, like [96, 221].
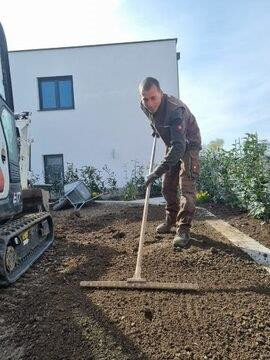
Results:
[202, 197]
[135, 185]
[239, 177]
[71, 174]
[92, 178]
[110, 182]
[97, 181]
[34, 178]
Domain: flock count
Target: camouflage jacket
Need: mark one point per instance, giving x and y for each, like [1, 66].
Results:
[177, 127]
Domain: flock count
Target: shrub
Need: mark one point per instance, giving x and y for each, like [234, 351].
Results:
[202, 197]
[239, 177]
[110, 182]
[34, 178]
[93, 178]
[135, 186]
[71, 174]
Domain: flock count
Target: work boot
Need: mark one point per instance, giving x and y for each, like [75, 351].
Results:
[181, 240]
[164, 228]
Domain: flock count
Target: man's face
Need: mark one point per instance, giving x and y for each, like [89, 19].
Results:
[151, 99]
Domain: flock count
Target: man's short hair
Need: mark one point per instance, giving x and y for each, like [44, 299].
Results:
[147, 83]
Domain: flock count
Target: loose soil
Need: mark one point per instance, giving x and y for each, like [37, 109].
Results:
[46, 315]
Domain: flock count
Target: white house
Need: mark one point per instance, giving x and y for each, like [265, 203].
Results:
[84, 101]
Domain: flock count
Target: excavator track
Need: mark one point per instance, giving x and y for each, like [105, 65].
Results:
[23, 241]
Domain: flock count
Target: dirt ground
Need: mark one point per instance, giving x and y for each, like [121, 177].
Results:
[46, 315]
[255, 228]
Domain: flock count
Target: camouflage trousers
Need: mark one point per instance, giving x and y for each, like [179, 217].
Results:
[179, 191]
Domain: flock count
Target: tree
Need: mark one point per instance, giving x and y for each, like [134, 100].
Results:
[215, 144]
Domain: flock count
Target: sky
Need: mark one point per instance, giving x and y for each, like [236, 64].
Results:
[224, 69]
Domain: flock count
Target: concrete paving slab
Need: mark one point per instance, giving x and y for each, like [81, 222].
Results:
[152, 201]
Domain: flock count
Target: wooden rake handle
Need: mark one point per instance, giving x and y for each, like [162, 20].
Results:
[137, 274]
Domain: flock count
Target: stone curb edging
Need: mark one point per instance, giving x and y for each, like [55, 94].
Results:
[258, 252]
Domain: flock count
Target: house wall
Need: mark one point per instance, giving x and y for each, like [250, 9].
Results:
[107, 125]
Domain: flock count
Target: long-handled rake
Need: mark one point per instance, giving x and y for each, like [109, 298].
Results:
[137, 282]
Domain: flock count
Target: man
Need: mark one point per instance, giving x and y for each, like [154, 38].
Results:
[171, 120]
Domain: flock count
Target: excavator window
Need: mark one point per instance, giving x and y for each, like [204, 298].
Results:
[5, 80]
[10, 134]
[2, 89]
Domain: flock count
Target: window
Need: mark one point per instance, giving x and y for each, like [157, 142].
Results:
[2, 89]
[56, 93]
[8, 124]
[54, 173]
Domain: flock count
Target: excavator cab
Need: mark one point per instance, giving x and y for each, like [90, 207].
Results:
[24, 234]
[10, 186]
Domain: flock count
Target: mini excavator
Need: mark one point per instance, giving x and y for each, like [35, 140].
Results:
[26, 226]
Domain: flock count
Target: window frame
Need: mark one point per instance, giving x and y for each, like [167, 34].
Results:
[56, 80]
